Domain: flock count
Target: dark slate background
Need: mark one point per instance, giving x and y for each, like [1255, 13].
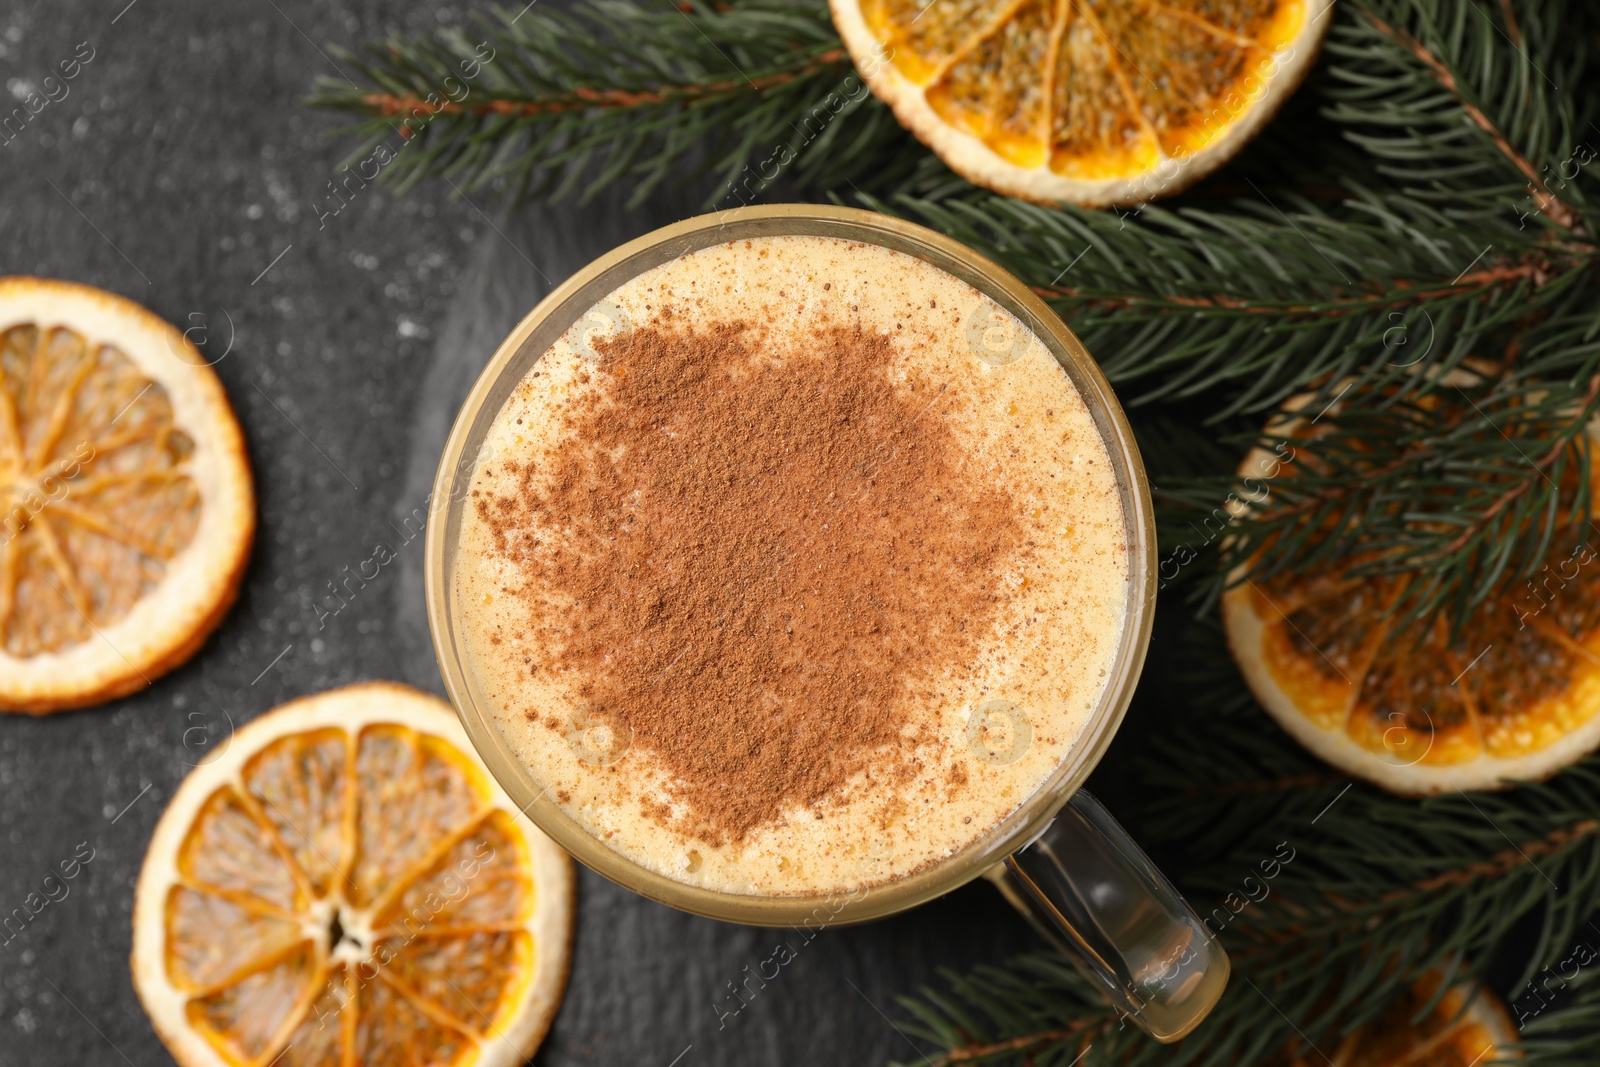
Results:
[180, 168]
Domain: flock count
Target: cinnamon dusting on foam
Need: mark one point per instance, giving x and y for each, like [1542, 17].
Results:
[759, 558]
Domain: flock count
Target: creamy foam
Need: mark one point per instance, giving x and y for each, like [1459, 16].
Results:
[984, 738]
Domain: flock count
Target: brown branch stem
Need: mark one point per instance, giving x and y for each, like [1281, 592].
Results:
[584, 97]
[1503, 862]
[1513, 31]
[1395, 293]
[1261, 940]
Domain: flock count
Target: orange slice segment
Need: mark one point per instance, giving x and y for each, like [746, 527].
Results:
[923, 44]
[245, 1019]
[1514, 695]
[126, 504]
[1180, 67]
[230, 852]
[326, 1029]
[302, 789]
[347, 885]
[1097, 102]
[994, 91]
[1468, 1027]
[1097, 131]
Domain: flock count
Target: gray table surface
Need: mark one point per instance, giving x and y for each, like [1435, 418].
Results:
[182, 170]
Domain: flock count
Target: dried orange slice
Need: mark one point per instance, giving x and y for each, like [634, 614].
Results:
[1515, 696]
[126, 504]
[1096, 102]
[1468, 1027]
[346, 885]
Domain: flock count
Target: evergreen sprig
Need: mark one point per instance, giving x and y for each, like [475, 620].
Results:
[617, 91]
[1465, 108]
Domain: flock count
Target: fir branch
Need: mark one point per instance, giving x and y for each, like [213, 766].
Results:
[1396, 293]
[1564, 1036]
[1547, 202]
[1252, 307]
[1469, 477]
[618, 90]
[1505, 861]
[585, 97]
[1460, 492]
[1037, 1009]
[1471, 148]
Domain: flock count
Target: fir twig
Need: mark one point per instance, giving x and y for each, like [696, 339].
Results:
[618, 90]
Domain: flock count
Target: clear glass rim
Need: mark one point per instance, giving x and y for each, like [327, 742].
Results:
[553, 315]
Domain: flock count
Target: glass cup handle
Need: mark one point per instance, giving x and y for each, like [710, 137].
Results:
[1091, 891]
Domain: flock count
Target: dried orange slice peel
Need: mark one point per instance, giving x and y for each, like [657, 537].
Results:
[1095, 102]
[345, 884]
[1468, 1027]
[1514, 696]
[126, 504]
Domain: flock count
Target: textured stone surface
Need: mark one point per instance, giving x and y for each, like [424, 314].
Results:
[180, 167]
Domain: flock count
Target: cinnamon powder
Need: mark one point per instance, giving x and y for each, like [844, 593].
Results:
[752, 562]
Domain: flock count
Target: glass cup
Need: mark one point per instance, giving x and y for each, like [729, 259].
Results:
[1059, 857]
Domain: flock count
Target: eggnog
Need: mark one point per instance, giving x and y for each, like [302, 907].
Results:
[795, 566]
